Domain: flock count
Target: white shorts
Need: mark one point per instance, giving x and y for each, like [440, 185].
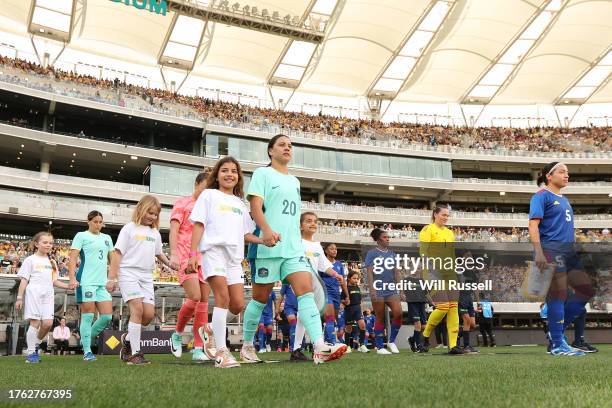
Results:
[38, 303]
[133, 286]
[217, 262]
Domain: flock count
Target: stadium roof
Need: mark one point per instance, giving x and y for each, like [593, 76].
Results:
[532, 51]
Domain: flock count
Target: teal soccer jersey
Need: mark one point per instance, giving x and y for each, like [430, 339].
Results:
[282, 208]
[94, 257]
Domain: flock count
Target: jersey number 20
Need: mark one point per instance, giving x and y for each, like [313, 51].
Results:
[290, 207]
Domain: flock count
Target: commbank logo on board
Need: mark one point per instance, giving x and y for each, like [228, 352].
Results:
[154, 6]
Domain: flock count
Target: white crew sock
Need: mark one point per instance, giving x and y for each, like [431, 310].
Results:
[32, 339]
[219, 323]
[134, 330]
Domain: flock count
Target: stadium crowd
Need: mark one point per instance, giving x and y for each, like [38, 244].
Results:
[540, 139]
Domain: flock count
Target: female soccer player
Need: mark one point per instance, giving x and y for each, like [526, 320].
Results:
[275, 200]
[352, 312]
[38, 276]
[137, 246]
[437, 243]
[192, 280]
[379, 276]
[91, 281]
[551, 230]
[222, 224]
[334, 288]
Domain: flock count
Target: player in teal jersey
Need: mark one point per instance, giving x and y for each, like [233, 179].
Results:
[91, 281]
[275, 201]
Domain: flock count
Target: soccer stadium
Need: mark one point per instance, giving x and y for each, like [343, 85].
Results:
[347, 202]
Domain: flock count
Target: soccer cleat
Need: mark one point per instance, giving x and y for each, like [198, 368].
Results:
[383, 351]
[224, 359]
[126, 348]
[363, 349]
[412, 343]
[299, 356]
[470, 350]
[89, 357]
[456, 351]
[263, 350]
[423, 349]
[440, 346]
[198, 356]
[138, 359]
[208, 339]
[585, 347]
[248, 354]
[176, 345]
[393, 348]
[268, 348]
[328, 352]
[348, 350]
[565, 350]
[33, 358]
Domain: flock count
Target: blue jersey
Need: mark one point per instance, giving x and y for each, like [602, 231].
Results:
[267, 311]
[252, 251]
[377, 259]
[544, 311]
[555, 214]
[331, 283]
[369, 321]
[487, 309]
[289, 295]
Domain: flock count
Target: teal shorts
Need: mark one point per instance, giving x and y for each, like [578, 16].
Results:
[92, 293]
[271, 270]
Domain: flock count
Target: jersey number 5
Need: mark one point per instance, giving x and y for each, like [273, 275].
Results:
[568, 216]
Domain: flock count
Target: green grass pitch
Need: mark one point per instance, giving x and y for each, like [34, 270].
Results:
[498, 377]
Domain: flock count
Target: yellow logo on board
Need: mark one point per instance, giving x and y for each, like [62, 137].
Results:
[112, 342]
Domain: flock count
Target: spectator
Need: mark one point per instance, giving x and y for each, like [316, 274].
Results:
[61, 336]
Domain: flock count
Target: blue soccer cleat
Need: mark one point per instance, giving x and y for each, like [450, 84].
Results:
[89, 357]
[33, 358]
[565, 350]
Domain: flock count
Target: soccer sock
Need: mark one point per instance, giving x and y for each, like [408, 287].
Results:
[361, 336]
[85, 329]
[572, 310]
[185, 314]
[251, 320]
[311, 318]
[134, 336]
[269, 335]
[199, 320]
[261, 336]
[435, 318]
[300, 330]
[219, 319]
[32, 339]
[466, 338]
[329, 329]
[579, 324]
[366, 340]
[100, 324]
[555, 321]
[395, 328]
[348, 338]
[292, 324]
[379, 329]
[452, 324]
[418, 340]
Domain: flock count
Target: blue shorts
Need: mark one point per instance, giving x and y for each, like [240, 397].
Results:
[466, 307]
[266, 320]
[290, 309]
[333, 297]
[352, 314]
[387, 296]
[564, 262]
[416, 312]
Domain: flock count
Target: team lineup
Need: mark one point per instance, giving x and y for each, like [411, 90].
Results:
[208, 234]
